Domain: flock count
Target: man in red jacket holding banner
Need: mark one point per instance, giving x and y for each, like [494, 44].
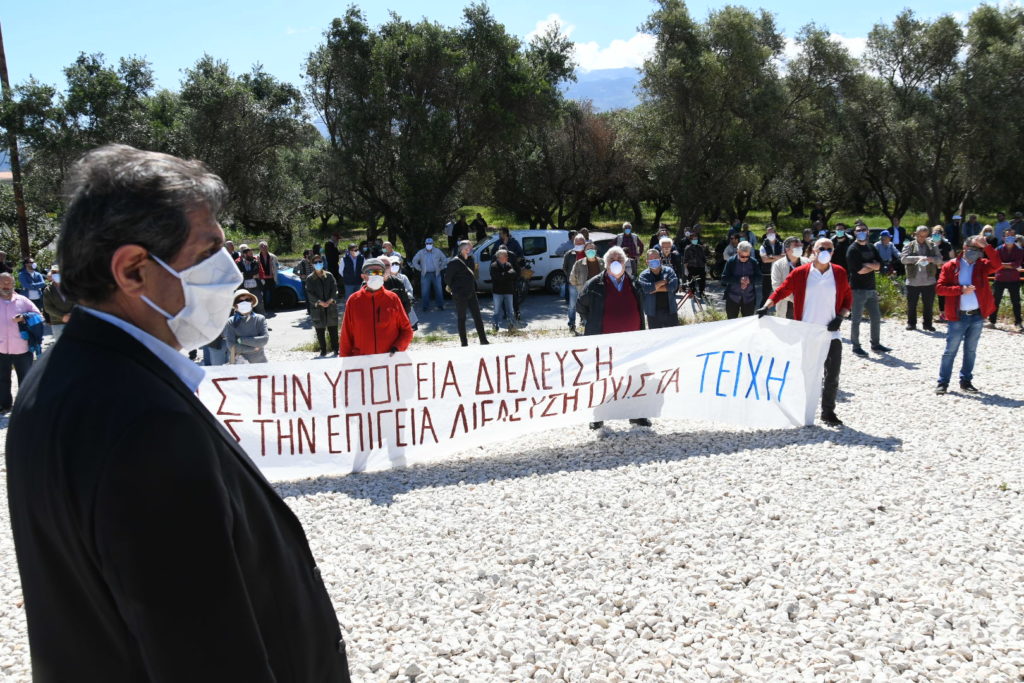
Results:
[822, 296]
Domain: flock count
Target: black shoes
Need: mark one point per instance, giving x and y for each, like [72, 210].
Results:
[928, 328]
[878, 348]
[969, 388]
[858, 351]
[831, 420]
[911, 327]
[641, 422]
[596, 425]
[941, 389]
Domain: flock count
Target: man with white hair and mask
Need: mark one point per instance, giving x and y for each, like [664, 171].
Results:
[612, 302]
[821, 296]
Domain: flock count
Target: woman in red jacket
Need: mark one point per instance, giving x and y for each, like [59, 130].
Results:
[964, 283]
[375, 320]
[821, 295]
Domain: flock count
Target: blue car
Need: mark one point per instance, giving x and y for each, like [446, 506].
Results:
[290, 291]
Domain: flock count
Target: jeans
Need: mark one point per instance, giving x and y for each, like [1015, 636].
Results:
[321, 339]
[503, 309]
[267, 293]
[473, 305]
[1013, 288]
[212, 356]
[830, 382]
[351, 289]
[967, 330]
[927, 295]
[865, 298]
[20, 362]
[56, 331]
[431, 283]
[574, 295]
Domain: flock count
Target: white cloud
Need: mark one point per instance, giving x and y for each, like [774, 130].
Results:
[857, 45]
[591, 56]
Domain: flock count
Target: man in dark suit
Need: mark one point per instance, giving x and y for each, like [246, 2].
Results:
[150, 547]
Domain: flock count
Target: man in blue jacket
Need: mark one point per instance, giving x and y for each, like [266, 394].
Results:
[659, 284]
[352, 270]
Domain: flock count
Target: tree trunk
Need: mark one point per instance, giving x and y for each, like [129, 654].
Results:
[638, 214]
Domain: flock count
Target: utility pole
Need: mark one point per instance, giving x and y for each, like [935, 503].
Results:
[12, 148]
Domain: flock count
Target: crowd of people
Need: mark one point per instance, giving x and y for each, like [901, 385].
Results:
[144, 276]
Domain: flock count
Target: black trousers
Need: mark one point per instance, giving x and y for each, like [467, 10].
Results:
[321, 339]
[662, 319]
[927, 296]
[1013, 288]
[766, 287]
[20, 362]
[471, 303]
[735, 309]
[830, 383]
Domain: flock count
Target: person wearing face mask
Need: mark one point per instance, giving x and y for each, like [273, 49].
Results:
[249, 266]
[144, 533]
[662, 231]
[889, 254]
[503, 285]
[388, 249]
[460, 278]
[610, 302]
[1007, 278]
[569, 260]
[772, 250]
[954, 231]
[659, 284]
[585, 270]
[351, 270]
[964, 284]
[246, 332]
[375, 320]
[56, 304]
[741, 277]
[946, 251]
[322, 295]
[672, 258]
[391, 283]
[32, 281]
[631, 245]
[821, 296]
[922, 260]
[989, 233]
[864, 262]
[842, 243]
[793, 248]
[808, 241]
[14, 350]
[268, 279]
[430, 262]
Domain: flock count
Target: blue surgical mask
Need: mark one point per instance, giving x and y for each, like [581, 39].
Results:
[591, 253]
[840, 233]
[936, 238]
[862, 237]
[628, 230]
[1009, 239]
[694, 241]
[972, 255]
[654, 263]
[318, 265]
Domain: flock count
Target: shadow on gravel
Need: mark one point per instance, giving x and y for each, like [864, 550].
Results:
[893, 362]
[615, 449]
[993, 400]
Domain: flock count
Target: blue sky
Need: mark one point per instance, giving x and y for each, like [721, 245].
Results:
[43, 36]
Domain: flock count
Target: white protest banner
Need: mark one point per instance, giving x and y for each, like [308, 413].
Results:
[336, 416]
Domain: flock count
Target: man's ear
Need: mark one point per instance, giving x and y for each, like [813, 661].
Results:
[130, 267]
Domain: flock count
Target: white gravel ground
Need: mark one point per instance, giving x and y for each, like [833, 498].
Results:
[889, 549]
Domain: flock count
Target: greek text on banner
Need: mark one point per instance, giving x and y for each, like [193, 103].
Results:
[337, 416]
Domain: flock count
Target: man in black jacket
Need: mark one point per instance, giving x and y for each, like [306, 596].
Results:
[150, 547]
[460, 277]
[503, 284]
[611, 302]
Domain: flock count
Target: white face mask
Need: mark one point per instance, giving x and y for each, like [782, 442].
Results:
[375, 282]
[209, 290]
[578, 247]
[55, 277]
[244, 307]
[796, 252]
[772, 237]
[430, 247]
[395, 268]
[615, 268]
[824, 256]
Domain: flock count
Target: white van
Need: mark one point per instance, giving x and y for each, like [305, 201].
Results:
[544, 248]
